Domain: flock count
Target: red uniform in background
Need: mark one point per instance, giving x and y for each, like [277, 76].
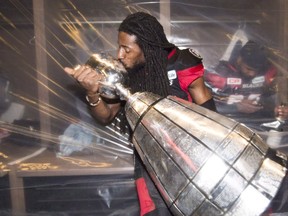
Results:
[244, 86]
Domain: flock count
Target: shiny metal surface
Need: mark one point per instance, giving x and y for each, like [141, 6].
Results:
[112, 71]
[203, 163]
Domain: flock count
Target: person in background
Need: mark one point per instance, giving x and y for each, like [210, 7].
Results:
[245, 85]
[245, 88]
[153, 64]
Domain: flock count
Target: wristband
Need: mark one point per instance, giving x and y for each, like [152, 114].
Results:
[93, 104]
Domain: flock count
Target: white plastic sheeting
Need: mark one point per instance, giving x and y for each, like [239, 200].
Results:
[43, 36]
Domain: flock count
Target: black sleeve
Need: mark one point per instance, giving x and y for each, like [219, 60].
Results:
[209, 104]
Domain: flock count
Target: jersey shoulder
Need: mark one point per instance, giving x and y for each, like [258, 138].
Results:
[189, 57]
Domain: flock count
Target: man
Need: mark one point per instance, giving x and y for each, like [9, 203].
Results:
[244, 85]
[245, 88]
[155, 65]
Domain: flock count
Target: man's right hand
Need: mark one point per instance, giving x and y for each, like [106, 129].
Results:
[86, 77]
[89, 79]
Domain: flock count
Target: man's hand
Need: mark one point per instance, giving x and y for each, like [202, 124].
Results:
[248, 106]
[89, 79]
[86, 77]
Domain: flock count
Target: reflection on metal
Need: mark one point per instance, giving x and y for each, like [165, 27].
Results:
[112, 71]
[203, 163]
[37, 166]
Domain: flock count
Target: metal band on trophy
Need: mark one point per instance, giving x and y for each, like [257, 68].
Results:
[203, 163]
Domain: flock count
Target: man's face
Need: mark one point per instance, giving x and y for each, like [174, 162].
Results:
[129, 52]
[246, 70]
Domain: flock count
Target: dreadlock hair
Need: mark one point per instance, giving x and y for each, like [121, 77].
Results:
[152, 40]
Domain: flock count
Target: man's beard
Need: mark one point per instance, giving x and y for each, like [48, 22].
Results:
[135, 79]
[136, 69]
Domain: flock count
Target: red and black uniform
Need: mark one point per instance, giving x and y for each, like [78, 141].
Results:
[184, 66]
[229, 87]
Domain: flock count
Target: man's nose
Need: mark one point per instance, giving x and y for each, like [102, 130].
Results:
[120, 55]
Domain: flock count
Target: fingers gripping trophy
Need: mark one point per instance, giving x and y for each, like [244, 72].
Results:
[202, 163]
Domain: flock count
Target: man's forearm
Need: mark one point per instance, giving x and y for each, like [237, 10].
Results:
[104, 113]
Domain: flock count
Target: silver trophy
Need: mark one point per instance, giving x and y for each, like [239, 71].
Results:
[112, 71]
[203, 163]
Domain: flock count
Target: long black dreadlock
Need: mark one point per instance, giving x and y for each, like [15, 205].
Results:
[155, 46]
[153, 76]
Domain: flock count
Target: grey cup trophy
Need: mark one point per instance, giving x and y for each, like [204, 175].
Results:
[203, 163]
[112, 71]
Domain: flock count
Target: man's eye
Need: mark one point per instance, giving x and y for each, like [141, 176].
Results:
[127, 50]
